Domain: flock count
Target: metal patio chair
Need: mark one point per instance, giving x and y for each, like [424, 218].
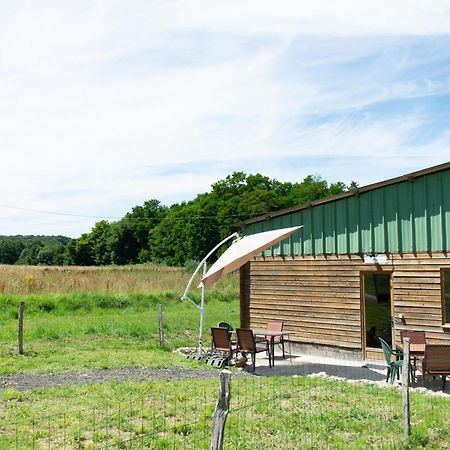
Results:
[222, 348]
[276, 326]
[248, 344]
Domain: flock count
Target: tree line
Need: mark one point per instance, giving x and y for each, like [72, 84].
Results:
[172, 235]
[33, 250]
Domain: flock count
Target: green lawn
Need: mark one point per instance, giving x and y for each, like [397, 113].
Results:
[265, 413]
[90, 332]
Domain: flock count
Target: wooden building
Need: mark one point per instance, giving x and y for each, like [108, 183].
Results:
[366, 264]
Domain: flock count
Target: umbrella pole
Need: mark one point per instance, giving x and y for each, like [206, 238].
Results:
[202, 312]
[202, 304]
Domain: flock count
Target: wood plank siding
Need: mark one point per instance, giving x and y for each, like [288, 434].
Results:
[319, 297]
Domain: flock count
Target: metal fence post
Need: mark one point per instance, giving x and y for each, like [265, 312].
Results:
[221, 412]
[160, 326]
[20, 328]
[405, 389]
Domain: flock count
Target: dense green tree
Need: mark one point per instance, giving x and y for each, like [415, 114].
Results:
[92, 248]
[79, 251]
[185, 232]
[61, 256]
[29, 255]
[129, 241]
[46, 256]
[10, 251]
[190, 229]
[99, 242]
[123, 243]
[144, 218]
[32, 249]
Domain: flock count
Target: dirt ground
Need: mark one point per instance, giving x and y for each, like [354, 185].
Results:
[25, 381]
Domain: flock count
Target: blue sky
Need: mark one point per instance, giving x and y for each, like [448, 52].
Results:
[106, 104]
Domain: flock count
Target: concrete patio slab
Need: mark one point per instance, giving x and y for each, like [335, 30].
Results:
[339, 367]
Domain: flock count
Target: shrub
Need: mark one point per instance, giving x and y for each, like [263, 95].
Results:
[47, 304]
[75, 302]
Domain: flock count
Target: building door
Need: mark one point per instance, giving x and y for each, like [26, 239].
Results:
[377, 310]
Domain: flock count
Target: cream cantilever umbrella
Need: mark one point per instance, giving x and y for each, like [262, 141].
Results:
[240, 252]
[244, 249]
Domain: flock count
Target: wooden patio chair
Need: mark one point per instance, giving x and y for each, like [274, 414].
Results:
[276, 326]
[248, 344]
[436, 361]
[221, 342]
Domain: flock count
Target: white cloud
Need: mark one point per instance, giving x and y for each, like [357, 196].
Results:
[100, 101]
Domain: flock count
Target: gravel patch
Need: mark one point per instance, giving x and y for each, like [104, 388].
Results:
[25, 381]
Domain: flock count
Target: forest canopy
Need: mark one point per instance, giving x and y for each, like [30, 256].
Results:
[172, 235]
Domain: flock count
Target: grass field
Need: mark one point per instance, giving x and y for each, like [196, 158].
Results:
[98, 331]
[78, 317]
[20, 280]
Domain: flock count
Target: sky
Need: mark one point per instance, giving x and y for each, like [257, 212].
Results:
[107, 104]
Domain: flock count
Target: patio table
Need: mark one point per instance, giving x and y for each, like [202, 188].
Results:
[271, 335]
[416, 353]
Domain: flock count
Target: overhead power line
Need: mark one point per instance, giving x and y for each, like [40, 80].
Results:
[57, 213]
[60, 213]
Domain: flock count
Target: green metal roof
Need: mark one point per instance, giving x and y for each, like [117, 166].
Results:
[406, 214]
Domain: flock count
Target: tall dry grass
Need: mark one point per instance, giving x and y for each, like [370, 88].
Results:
[18, 280]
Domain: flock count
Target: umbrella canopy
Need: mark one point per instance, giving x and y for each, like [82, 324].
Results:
[243, 250]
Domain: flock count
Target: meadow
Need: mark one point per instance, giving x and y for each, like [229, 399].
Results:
[80, 319]
[96, 318]
[20, 280]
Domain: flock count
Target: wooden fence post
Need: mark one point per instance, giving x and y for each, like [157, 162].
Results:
[160, 326]
[20, 330]
[405, 389]
[221, 412]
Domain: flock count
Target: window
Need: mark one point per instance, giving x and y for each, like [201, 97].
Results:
[446, 296]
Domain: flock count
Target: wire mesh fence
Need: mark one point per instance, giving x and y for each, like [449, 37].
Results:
[170, 419]
[309, 399]
[334, 400]
[266, 412]
[312, 412]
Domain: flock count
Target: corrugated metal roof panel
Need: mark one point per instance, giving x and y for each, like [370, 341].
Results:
[445, 212]
[353, 225]
[306, 232]
[341, 228]
[329, 228]
[434, 202]
[408, 216]
[391, 218]
[404, 192]
[317, 219]
[378, 221]
[419, 213]
[365, 222]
